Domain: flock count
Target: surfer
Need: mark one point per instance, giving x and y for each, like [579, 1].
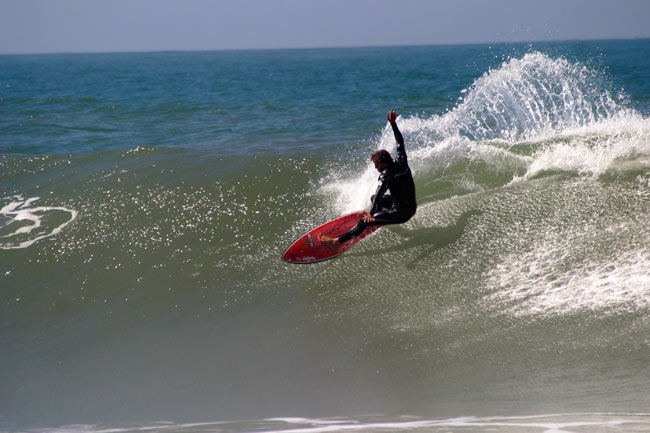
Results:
[395, 176]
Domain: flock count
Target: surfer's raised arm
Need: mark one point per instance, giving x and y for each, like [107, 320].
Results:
[401, 152]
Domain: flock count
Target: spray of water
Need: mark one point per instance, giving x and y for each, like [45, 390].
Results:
[529, 116]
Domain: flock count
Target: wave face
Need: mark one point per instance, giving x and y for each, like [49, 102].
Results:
[141, 286]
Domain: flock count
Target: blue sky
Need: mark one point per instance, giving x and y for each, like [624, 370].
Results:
[45, 26]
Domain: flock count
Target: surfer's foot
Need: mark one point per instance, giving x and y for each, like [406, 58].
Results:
[331, 243]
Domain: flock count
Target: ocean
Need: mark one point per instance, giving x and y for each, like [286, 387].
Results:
[146, 198]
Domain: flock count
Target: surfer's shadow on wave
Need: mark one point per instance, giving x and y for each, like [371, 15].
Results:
[435, 237]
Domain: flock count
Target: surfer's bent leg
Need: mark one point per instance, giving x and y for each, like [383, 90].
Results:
[354, 231]
[383, 218]
[386, 202]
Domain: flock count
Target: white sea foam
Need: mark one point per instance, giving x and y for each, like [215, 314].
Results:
[561, 423]
[533, 424]
[537, 282]
[19, 210]
[596, 148]
[562, 112]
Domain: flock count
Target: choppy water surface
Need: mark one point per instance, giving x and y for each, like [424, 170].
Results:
[145, 200]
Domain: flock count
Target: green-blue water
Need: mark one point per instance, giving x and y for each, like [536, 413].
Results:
[145, 200]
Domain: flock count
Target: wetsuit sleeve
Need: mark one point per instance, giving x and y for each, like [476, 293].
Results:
[401, 151]
[381, 189]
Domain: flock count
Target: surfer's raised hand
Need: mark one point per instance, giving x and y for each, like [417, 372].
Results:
[392, 116]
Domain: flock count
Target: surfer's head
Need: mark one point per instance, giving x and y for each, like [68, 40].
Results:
[381, 159]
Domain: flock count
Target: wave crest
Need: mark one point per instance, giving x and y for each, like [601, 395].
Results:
[532, 115]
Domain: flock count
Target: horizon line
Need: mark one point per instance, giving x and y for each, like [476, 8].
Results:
[326, 47]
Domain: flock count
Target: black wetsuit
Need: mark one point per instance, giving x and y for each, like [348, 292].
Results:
[400, 205]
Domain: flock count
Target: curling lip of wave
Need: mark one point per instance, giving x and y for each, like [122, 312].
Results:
[563, 113]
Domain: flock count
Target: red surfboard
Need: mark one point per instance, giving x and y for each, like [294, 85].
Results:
[308, 249]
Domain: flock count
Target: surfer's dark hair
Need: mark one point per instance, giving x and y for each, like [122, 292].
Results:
[382, 156]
